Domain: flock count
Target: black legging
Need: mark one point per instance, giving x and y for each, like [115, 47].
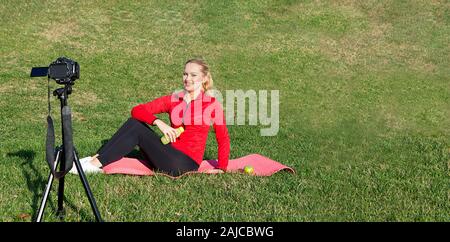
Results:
[163, 158]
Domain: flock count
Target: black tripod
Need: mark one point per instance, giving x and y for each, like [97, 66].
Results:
[65, 155]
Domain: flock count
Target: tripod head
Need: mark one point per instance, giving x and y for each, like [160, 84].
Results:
[63, 90]
[63, 93]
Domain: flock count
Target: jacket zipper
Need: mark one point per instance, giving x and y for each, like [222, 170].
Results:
[184, 113]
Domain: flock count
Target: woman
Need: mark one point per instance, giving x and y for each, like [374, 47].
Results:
[191, 108]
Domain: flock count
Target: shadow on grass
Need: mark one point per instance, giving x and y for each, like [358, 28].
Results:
[36, 183]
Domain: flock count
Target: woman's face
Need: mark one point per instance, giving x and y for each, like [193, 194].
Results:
[193, 77]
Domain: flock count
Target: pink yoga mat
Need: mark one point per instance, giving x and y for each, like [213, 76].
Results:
[262, 166]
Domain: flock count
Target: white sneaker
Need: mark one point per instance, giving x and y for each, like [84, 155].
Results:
[87, 166]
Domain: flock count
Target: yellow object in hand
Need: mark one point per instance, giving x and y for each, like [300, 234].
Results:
[165, 140]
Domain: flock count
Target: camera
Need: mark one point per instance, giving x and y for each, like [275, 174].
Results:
[63, 70]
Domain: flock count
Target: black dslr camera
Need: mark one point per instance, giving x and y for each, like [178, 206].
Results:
[63, 71]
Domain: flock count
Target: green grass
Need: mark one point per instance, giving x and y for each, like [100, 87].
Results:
[364, 105]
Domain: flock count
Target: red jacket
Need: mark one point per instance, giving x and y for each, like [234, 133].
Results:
[196, 117]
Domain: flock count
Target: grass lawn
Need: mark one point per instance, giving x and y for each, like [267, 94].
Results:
[364, 105]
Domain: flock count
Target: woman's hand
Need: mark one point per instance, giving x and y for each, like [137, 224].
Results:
[168, 131]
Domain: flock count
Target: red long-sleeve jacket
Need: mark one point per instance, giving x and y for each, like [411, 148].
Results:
[196, 117]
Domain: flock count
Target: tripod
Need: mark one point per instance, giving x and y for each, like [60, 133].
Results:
[66, 153]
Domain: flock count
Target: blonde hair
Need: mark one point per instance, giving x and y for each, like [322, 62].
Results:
[208, 85]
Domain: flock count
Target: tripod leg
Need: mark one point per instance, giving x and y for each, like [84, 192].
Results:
[60, 212]
[67, 154]
[86, 187]
[47, 192]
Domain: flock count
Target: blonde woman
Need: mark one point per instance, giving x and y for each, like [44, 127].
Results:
[192, 108]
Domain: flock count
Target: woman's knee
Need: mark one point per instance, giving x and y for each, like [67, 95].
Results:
[135, 122]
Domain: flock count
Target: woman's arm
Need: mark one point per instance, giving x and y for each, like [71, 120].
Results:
[146, 112]
[222, 137]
